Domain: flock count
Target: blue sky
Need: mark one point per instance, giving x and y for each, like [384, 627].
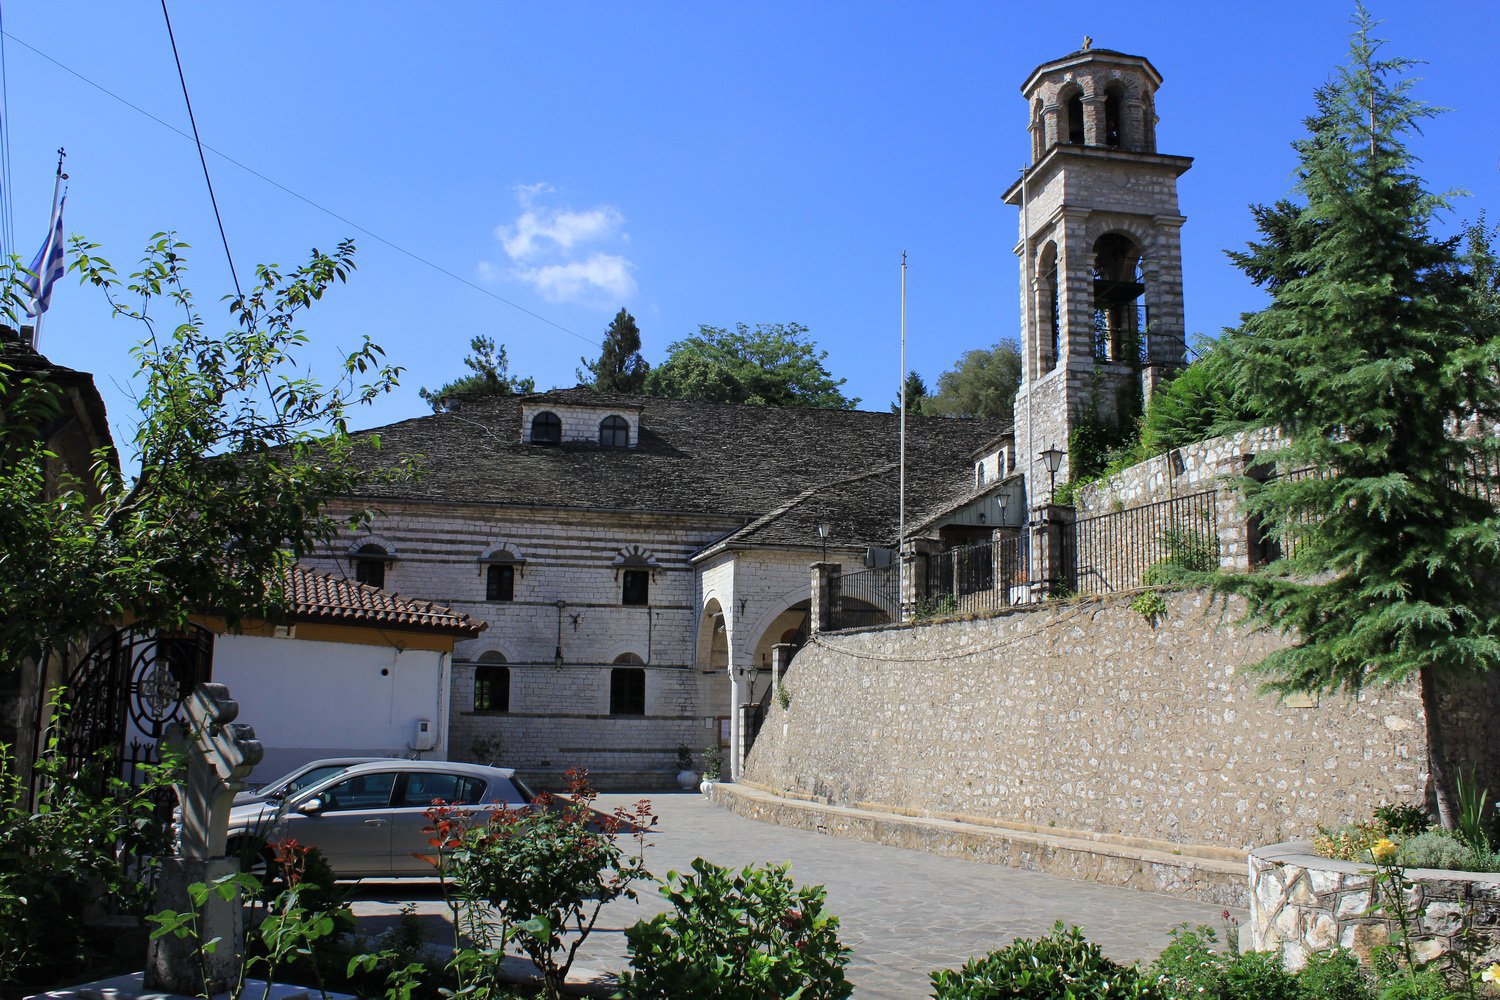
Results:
[695, 163]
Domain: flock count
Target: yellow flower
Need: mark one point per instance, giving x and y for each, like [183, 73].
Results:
[1383, 849]
[1492, 974]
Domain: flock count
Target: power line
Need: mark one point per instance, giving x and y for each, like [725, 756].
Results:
[7, 202]
[201, 158]
[299, 196]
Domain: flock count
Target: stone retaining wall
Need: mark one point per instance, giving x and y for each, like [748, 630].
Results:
[1081, 715]
[1301, 903]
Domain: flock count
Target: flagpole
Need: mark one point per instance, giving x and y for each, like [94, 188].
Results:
[901, 488]
[36, 329]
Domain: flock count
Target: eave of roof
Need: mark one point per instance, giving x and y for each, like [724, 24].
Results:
[322, 597]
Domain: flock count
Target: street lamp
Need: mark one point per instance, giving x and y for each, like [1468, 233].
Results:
[1053, 458]
[1004, 501]
[823, 534]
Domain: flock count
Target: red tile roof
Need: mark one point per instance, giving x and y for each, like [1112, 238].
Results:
[319, 597]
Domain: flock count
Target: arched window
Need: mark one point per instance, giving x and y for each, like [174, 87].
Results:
[491, 683]
[369, 565]
[1050, 325]
[500, 582]
[1075, 119]
[1117, 293]
[546, 428]
[1114, 104]
[614, 432]
[627, 688]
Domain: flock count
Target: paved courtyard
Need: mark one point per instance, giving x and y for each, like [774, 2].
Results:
[902, 912]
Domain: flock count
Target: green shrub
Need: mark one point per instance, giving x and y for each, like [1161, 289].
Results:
[1258, 975]
[1334, 975]
[1441, 849]
[1403, 820]
[1188, 966]
[748, 935]
[1062, 964]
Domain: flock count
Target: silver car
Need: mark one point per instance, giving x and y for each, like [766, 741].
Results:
[368, 820]
[306, 776]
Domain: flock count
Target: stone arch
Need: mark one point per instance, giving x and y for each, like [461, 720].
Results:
[380, 541]
[625, 654]
[1049, 309]
[712, 645]
[1071, 127]
[1119, 286]
[635, 557]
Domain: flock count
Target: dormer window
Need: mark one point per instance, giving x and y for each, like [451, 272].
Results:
[546, 428]
[614, 432]
[369, 565]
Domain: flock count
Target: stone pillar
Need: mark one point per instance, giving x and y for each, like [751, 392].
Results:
[1050, 571]
[825, 580]
[1093, 120]
[781, 658]
[1234, 524]
[172, 963]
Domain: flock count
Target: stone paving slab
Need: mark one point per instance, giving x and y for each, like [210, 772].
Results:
[903, 912]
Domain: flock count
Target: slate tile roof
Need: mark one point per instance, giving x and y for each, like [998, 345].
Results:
[721, 459]
[319, 597]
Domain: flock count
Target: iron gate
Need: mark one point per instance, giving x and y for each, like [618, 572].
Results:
[125, 692]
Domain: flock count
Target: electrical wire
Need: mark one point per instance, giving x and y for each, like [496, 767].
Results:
[201, 158]
[299, 196]
[7, 201]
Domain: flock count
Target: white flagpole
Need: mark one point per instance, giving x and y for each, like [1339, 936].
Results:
[901, 489]
[36, 328]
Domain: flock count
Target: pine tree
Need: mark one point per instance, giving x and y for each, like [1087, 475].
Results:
[916, 396]
[1377, 359]
[619, 367]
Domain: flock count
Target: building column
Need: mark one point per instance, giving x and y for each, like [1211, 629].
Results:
[825, 579]
[1093, 120]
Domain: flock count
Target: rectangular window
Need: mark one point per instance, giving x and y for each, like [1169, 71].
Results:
[637, 587]
[370, 571]
[627, 691]
[491, 689]
[500, 583]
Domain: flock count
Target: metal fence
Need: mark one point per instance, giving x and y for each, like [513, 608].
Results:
[869, 597]
[986, 576]
[1120, 550]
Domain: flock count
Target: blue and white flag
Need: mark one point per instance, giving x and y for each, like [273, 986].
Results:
[47, 266]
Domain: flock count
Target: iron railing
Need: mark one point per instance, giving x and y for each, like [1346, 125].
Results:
[869, 597]
[986, 576]
[1120, 550]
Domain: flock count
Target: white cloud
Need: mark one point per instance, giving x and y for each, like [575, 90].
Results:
[600, 272]
[546, 246]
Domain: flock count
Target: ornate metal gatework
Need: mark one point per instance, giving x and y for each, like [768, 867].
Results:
[126, 691]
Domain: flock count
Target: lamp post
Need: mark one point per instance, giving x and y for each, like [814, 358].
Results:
[823, 534]
[1053, 458]
[1004, 501]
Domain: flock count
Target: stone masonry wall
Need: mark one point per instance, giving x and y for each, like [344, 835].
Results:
[1204, 465]
[1080, 715]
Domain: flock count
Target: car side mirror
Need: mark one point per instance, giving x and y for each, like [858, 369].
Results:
[311, 807]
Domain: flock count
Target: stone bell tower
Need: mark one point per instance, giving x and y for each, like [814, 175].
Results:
[1101, 261]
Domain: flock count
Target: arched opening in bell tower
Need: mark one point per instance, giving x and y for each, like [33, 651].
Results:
[1073, 108]
[1114, 104]
[1118, 287]
[1038, 131]
[1050, 325]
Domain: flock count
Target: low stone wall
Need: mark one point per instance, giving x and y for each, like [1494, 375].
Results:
[1112, 861]
[1082, 716]
[1301, 903]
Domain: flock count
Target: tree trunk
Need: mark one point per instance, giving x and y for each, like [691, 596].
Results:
[1437, 750]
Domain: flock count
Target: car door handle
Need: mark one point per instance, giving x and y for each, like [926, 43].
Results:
[374, 822]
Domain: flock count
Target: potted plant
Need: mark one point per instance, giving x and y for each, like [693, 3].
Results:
[686, 776]
[713, 763]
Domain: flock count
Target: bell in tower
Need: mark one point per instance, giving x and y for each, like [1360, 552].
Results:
[1101, 260]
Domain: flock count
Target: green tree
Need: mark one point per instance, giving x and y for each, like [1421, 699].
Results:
[1200, 402]
[490, 376]
[619, 367]
[1378, 357]
[917, 397]
[982, 383]
[238, 453]
[775, 364]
